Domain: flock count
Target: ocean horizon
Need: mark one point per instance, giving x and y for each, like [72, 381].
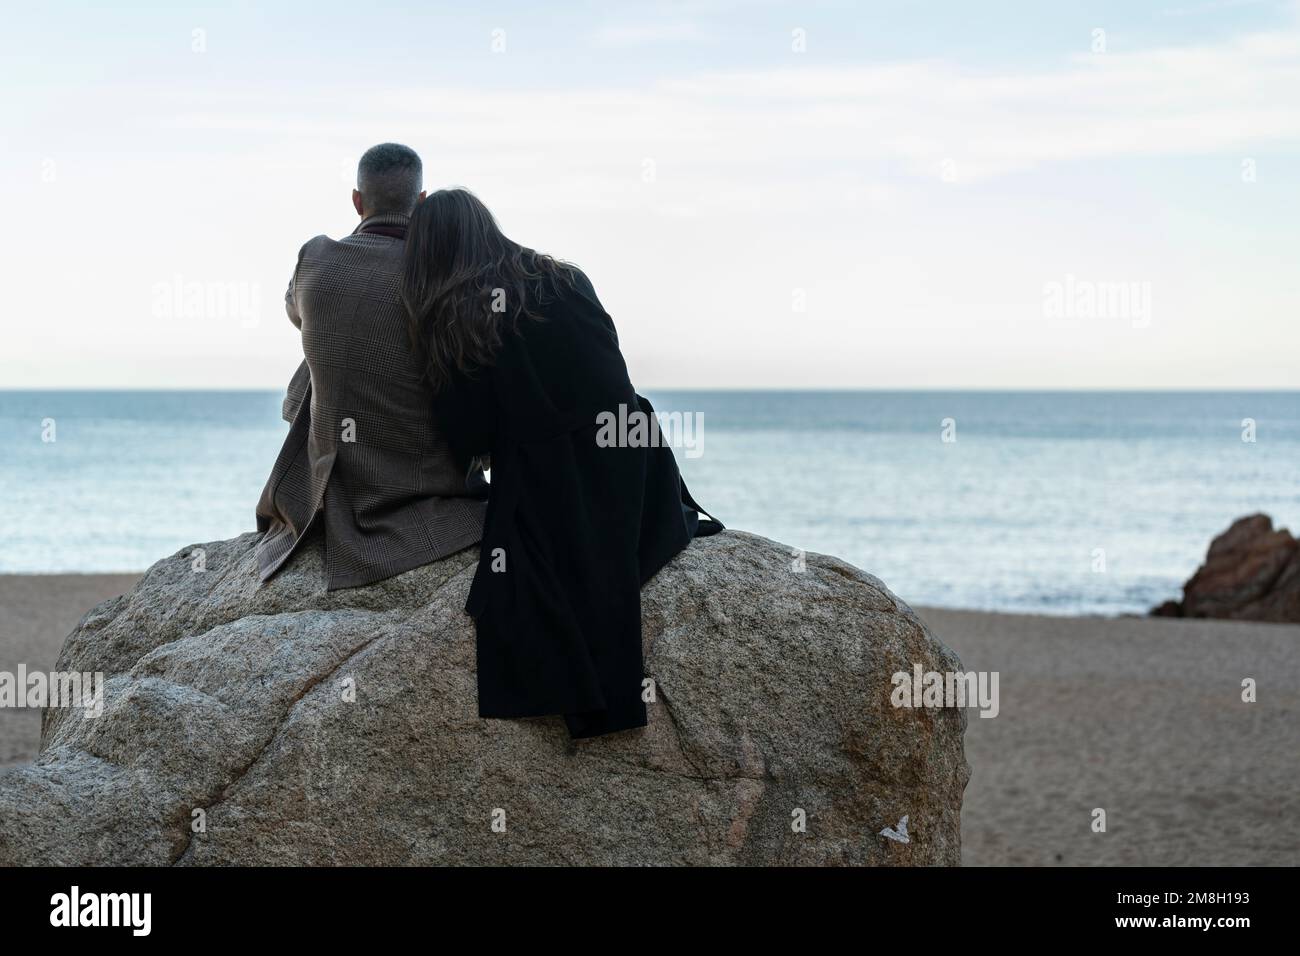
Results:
[1053, 502]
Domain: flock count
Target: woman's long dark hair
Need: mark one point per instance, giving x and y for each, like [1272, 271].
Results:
[464, 283]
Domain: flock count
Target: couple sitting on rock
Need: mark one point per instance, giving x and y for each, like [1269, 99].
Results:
[434, 346]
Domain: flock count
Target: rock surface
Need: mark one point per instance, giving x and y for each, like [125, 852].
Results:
[1251, 573]
[284, 724]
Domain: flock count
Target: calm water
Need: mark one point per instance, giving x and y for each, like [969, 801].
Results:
[1008, 516]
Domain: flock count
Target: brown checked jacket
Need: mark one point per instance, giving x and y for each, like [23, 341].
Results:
[364, 457]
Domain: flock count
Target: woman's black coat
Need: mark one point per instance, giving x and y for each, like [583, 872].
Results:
[572, 529]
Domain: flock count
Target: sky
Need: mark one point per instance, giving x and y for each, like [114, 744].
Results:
[765, 195]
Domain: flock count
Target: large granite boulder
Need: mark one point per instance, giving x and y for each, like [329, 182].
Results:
[284, 724]
[1251, 573]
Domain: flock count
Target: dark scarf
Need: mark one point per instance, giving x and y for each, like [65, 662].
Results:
[392, 232]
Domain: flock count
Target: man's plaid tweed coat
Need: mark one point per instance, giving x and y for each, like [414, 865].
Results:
[364, 457]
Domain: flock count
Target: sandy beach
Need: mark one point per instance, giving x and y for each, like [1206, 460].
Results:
[37, 612]
[1142, 717]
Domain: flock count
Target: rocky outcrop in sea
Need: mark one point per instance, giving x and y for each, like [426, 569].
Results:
[1251, 573]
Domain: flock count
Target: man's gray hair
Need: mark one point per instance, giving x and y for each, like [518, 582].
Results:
[389, 178]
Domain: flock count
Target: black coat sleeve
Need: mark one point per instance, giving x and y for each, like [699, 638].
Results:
[466, 411]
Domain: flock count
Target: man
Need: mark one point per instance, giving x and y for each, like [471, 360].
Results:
[364, 460]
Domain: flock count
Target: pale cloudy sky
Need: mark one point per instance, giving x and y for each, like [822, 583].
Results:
[832, 194]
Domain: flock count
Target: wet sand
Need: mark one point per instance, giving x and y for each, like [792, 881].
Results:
[1142, 717]
[37, 611]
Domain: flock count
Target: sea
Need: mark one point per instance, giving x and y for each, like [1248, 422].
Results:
[1063, 503]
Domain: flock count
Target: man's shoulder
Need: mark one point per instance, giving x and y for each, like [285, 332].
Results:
[355, 250]
[315, 245]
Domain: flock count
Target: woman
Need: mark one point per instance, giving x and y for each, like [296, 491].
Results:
[524, 362]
